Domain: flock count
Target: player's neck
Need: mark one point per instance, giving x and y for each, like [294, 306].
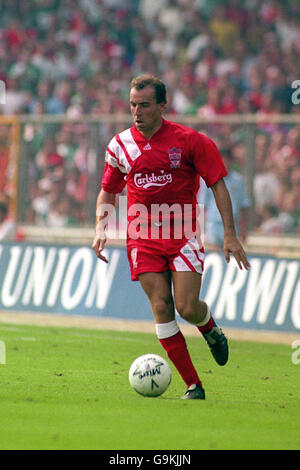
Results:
[148, 133]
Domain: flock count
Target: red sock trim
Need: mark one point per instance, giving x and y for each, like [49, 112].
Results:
[207, 327]
[176, 349]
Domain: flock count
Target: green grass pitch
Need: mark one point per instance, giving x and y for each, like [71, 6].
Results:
[65, 388]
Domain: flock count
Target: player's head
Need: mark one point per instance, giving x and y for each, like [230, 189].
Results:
[143, 81]
[147, 102]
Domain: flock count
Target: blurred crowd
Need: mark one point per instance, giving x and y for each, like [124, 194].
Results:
[217, 57]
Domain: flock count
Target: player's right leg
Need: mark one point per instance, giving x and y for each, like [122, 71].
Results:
[187, 286]
[157, 287]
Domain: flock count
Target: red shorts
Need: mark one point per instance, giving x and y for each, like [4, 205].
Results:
[164, 255]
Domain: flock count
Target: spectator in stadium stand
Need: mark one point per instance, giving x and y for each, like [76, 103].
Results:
[62, 42]
[160, 161]
[7, 225]
[214, 231]
[48, 157]
[78, 56]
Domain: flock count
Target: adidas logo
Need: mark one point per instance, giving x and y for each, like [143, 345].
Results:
[147, 147]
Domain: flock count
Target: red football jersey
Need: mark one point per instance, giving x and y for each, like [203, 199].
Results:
[164, 169]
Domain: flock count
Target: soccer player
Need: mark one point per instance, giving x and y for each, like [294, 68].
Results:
[161, 162]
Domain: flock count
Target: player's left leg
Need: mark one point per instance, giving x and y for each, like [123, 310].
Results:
[187, 285]
[157, 286]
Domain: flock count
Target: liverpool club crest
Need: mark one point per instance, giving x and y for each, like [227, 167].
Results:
[175, 157]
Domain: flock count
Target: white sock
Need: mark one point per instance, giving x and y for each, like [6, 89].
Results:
[205, 319]
[166, 330]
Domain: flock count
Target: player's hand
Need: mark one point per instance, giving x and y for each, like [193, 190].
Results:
[98, 246]
[232, 245]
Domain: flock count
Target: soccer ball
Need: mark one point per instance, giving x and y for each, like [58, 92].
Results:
[150, 375]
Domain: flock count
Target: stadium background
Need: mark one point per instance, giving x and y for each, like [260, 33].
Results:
[229, 68]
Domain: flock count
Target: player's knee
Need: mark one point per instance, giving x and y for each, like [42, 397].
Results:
[187, 310]
[163, 309]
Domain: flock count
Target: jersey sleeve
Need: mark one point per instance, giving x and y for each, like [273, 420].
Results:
[113, 179]
[206, 159]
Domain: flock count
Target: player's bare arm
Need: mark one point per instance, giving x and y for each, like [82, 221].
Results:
[105, 201]
[231, 242]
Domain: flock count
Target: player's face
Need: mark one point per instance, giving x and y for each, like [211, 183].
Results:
[146, 112]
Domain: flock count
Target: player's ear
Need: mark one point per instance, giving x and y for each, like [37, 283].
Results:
[162, 106]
